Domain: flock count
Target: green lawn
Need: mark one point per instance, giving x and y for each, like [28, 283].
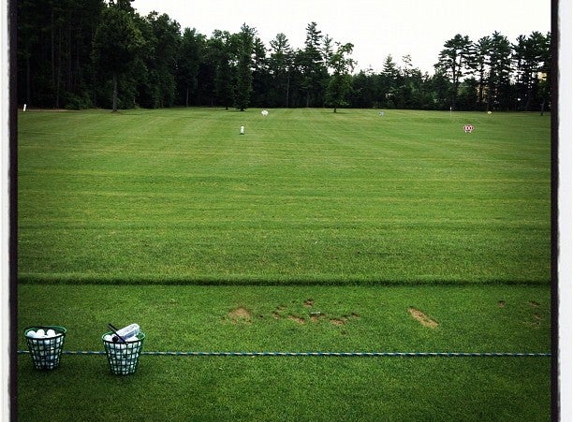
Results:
[313, 232]
[482, 319]
[304, 196]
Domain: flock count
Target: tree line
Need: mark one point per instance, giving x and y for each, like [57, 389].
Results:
[91, 53]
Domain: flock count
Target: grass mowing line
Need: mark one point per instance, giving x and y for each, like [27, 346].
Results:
[277, 280]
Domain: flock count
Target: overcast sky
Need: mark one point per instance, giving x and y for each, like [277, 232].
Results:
[377, 28]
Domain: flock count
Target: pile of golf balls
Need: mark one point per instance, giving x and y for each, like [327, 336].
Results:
[41, 333]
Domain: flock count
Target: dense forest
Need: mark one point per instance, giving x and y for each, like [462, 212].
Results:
[78, 54]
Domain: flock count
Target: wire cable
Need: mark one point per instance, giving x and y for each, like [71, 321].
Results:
[325, 354]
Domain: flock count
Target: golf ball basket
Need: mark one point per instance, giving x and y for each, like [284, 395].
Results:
[46, 351]
[123, 358]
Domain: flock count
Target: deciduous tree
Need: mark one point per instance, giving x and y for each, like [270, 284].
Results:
[341, 81]
[189, 57]
[117, 43]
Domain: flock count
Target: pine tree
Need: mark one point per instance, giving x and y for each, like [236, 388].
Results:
[244, 84]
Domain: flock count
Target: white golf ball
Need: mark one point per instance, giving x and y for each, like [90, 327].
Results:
[108, 338]
[31, 334]
[40, 333]
[51, 333]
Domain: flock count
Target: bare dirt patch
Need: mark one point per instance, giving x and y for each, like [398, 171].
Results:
[296, 319]
[317, 316]
[240, 315]
[422, 318]
[501, 304]
[534, 304]
[277, 312]
[535, 321]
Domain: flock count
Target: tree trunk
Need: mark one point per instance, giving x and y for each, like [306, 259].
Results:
[59, 69]
[52, 50]
[480, 91]
[287, 90]
[114, 99]
[28, 81]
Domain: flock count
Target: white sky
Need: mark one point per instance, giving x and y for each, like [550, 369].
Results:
[377, 28]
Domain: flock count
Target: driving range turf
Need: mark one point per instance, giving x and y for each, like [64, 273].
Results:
[312, 232]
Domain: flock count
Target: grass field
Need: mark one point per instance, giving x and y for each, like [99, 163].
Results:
[313, 232]
[303, 196]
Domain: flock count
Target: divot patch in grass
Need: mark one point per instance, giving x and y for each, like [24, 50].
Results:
[297, 319]
[240, 315]
[317, 316]
[277, 313]
[422, 318]
[535, 321]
